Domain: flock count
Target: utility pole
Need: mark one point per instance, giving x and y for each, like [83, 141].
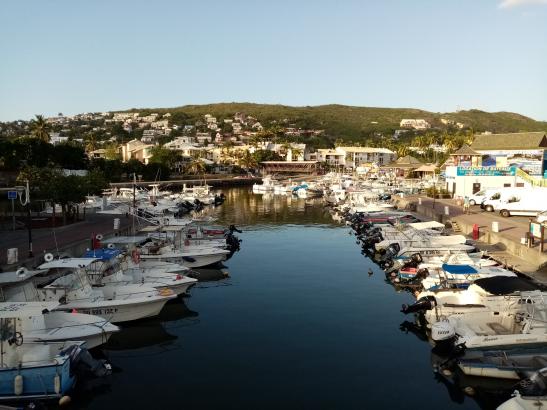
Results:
[29, 221]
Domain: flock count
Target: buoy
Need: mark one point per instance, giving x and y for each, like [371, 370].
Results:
[21, 272]
[469, 390]
[64, 400]
[73, 311]
[99, 237]
[57, 383]
[48, 257]
[18, 385]
[111, 246]
[370, 272]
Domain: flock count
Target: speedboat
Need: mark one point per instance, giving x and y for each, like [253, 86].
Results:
[67, 282]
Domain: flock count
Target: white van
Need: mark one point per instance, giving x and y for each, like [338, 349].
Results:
[499, 196]
[526, 203]
[477, 198]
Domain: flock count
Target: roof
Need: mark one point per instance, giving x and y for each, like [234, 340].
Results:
[365, 149]
[407, 161]
[513, 141]
[465, 150]
[68, 263]
[426, 168]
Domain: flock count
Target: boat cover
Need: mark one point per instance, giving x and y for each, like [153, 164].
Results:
[504, 285]
[459, 269]
[103, 254]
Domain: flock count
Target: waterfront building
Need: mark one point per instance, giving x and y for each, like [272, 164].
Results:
[354, 157]
[136, 149]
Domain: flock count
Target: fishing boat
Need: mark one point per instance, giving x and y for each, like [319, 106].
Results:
[66, 281]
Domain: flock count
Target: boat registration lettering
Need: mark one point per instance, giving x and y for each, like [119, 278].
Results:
[99, 312]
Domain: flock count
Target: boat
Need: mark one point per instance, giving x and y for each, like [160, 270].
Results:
[460, 276]
[268, 185]
[520, 402]
[66, 281]
[503, 364]
[39, 322]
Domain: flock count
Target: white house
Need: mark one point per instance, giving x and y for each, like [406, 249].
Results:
[417, 124]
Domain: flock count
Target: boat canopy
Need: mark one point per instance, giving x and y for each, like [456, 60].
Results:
[503, 285]
[10, 310]
[104, 254]
[459, 269]
[68, 263]
[426, 225]
[21, 275]
[125, 240]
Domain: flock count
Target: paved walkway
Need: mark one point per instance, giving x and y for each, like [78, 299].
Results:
[50, 239]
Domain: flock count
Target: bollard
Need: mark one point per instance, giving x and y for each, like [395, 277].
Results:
[475, 232]
[447, 210]
[13, 255]
[419, 201]
[495, 226]
[116, 224]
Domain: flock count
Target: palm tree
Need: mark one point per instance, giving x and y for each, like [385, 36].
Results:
[196, 167]
[248, 161]
[402, 151]
[296, 152]
[40, 128]
[450, 143]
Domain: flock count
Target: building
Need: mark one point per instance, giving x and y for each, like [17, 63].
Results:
[186, 149]
[404, 166]
[524, 150]
[203, 138]
[353, 157]
[417, 124]
[149, 136]
[498, 160]
[136, 149]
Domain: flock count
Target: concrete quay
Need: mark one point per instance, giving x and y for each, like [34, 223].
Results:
[72, 239]
[504, 246]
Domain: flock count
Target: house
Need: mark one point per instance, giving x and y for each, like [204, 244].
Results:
[188, 128]
[98, 153]
[203, 137]
[160, 124]
[136, 149]
[404, 166]
[56, 138]
[330, 156]
[417, 124]
[149, 136]
[257, 126]
[236, 127]
[186, 149]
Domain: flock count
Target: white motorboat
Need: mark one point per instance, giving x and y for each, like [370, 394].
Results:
[519, 402]
[116, 303]
[461, 276]
[38, 322]
[268, 185]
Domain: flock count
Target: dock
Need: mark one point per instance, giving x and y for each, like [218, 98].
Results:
[504, 245]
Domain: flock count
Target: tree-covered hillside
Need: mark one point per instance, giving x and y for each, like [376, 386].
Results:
[351, 122]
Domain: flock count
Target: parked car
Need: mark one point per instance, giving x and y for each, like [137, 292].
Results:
[526, 203]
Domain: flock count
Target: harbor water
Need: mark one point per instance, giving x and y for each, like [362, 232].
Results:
[300, 323]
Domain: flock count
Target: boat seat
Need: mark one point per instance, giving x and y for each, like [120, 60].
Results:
[539, 361]
[479, 330]
[499, 328]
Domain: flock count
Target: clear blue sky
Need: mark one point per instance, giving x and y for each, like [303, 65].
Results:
[79, 56]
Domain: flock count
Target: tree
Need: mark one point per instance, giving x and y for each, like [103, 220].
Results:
[296, 152]
[196, 167]
[164, 156]
[248, 161]
[39, 128]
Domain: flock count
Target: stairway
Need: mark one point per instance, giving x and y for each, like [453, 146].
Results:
[455, 227]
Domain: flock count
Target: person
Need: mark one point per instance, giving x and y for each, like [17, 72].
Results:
[466, 205]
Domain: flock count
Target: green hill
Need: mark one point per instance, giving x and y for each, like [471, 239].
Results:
[351, 122]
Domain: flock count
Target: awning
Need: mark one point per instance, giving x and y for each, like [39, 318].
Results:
[68, 263]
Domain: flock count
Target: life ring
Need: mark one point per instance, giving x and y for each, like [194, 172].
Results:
[111, 246]
[136, 256]
[48, 257]
[21, 272]
[99, 237]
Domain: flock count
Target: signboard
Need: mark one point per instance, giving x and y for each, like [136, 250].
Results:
[486, 171]
[535, 229]
[12, 194]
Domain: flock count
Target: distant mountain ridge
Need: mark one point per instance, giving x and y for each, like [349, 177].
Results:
[351, 121]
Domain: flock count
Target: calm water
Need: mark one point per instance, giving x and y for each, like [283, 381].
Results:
[299, 324]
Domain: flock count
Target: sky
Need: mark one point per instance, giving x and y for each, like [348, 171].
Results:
[439, 55]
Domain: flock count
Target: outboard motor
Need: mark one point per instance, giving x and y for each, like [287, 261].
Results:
[422, 304]
[83, 364]
[442, 331]
[535, 385]
[233, 228]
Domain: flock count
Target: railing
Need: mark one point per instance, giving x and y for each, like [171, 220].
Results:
[538, 182]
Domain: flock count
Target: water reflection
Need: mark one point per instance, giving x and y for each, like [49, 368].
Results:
[244, 208]
[150, 332]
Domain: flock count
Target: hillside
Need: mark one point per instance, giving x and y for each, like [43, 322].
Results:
[351, 122]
